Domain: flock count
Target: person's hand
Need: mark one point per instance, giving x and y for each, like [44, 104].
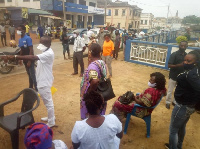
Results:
[29, 64]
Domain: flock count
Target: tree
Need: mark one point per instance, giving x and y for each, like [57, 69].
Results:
[192, 19]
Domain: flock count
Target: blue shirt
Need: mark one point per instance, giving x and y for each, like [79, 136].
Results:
[24, 43]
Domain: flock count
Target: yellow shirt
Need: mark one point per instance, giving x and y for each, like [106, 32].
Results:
[108, 47]
[27, 29]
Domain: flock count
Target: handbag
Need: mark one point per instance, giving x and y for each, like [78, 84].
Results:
[105, 89]
[127, 98]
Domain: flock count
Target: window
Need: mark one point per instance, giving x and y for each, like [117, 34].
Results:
[92, 4]
[89, 19]
[82, 2]
[130, 12]
[141, 21]
[123, 12]
[33, 0]
[1, 1]
[26, 0]
[9, 0]
[145, 22]
[116, 12]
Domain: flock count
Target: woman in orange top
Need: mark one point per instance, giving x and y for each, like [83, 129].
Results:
[108, 48]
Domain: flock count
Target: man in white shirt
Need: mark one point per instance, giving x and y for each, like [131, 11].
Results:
[44, 75]
[3, 34]
[89, 32]
[79, 48]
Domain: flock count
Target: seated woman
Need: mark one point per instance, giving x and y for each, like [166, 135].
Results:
[96, 132]
[149, 98]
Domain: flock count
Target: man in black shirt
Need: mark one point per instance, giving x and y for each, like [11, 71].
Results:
[176, 67]
[65, 43]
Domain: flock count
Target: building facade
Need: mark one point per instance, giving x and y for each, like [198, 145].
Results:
[146, 23]
[123, 15]
[160, 22]
[79, 13]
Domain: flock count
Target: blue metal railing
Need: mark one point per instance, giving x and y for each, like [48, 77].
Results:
[150, 53]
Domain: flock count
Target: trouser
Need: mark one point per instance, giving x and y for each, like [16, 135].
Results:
[3, 37]
[115, 54]
[31, 74]
[12, 36]
[78, 59]
[108, 61]
[45, 93]
[179, 119]
[171, 86]
[65, 48]
[124, 48]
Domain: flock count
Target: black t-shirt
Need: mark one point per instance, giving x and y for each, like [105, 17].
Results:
[176, 58]
[64, 41]
[187, 91]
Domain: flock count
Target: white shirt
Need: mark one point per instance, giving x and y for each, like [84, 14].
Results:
[79, 43]
[89, 33]
[103, 137]
[58, 144]
[2, 29]
[44, 73]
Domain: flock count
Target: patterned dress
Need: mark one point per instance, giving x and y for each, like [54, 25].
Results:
[149, 97]
[96, 70]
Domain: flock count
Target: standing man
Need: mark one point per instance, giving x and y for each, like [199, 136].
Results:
[44, 75]
[176, 67]
[124, 38]
[25, 43]
[27, 29]
[100, 37]
[65, 40]
[79, 48]
[112, 35]
[117, 44]
[3, 34]
[40, 31]
[12, 32]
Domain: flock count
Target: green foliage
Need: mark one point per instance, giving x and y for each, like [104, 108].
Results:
[158, 28]
[181, 38]
[191, 20]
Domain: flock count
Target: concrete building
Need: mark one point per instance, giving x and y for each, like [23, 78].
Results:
[79, 13]
[160, 22]
[123, 15]
[146, 23]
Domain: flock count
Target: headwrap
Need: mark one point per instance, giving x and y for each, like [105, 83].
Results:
[38, 136]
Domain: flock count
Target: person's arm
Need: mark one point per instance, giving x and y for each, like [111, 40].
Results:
[172, 60]
[120, 135]
[76, 145]
[24, 57]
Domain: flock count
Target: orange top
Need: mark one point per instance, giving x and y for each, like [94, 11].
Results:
[108, 47]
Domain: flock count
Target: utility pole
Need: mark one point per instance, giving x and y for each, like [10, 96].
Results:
[105, 11]
[167, 16]
[64, 13]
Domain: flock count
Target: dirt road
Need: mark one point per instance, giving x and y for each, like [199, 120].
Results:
[126, 76]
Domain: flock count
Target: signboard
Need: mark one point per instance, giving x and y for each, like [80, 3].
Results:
[96, 10]
[25, 13]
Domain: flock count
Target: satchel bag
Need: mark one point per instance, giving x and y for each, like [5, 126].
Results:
[127, 98]
[105, 89]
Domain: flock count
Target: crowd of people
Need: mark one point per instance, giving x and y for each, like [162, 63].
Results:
[97, 130]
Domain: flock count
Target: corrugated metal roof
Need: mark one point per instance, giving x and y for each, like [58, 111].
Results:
[38, 11]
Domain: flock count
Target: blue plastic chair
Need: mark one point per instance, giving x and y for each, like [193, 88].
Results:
[147, 119]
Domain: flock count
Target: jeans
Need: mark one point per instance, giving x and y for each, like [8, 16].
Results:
[179, 119]
[65, 48]
[31, 74]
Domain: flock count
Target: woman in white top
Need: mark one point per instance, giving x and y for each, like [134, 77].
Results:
[96, 132]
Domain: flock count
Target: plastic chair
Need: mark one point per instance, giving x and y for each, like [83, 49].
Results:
[147, 119]
[13, 122]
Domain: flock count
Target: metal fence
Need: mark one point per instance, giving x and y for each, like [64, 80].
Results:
[150, 53]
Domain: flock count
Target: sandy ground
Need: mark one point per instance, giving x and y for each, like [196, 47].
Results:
[126, 76]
